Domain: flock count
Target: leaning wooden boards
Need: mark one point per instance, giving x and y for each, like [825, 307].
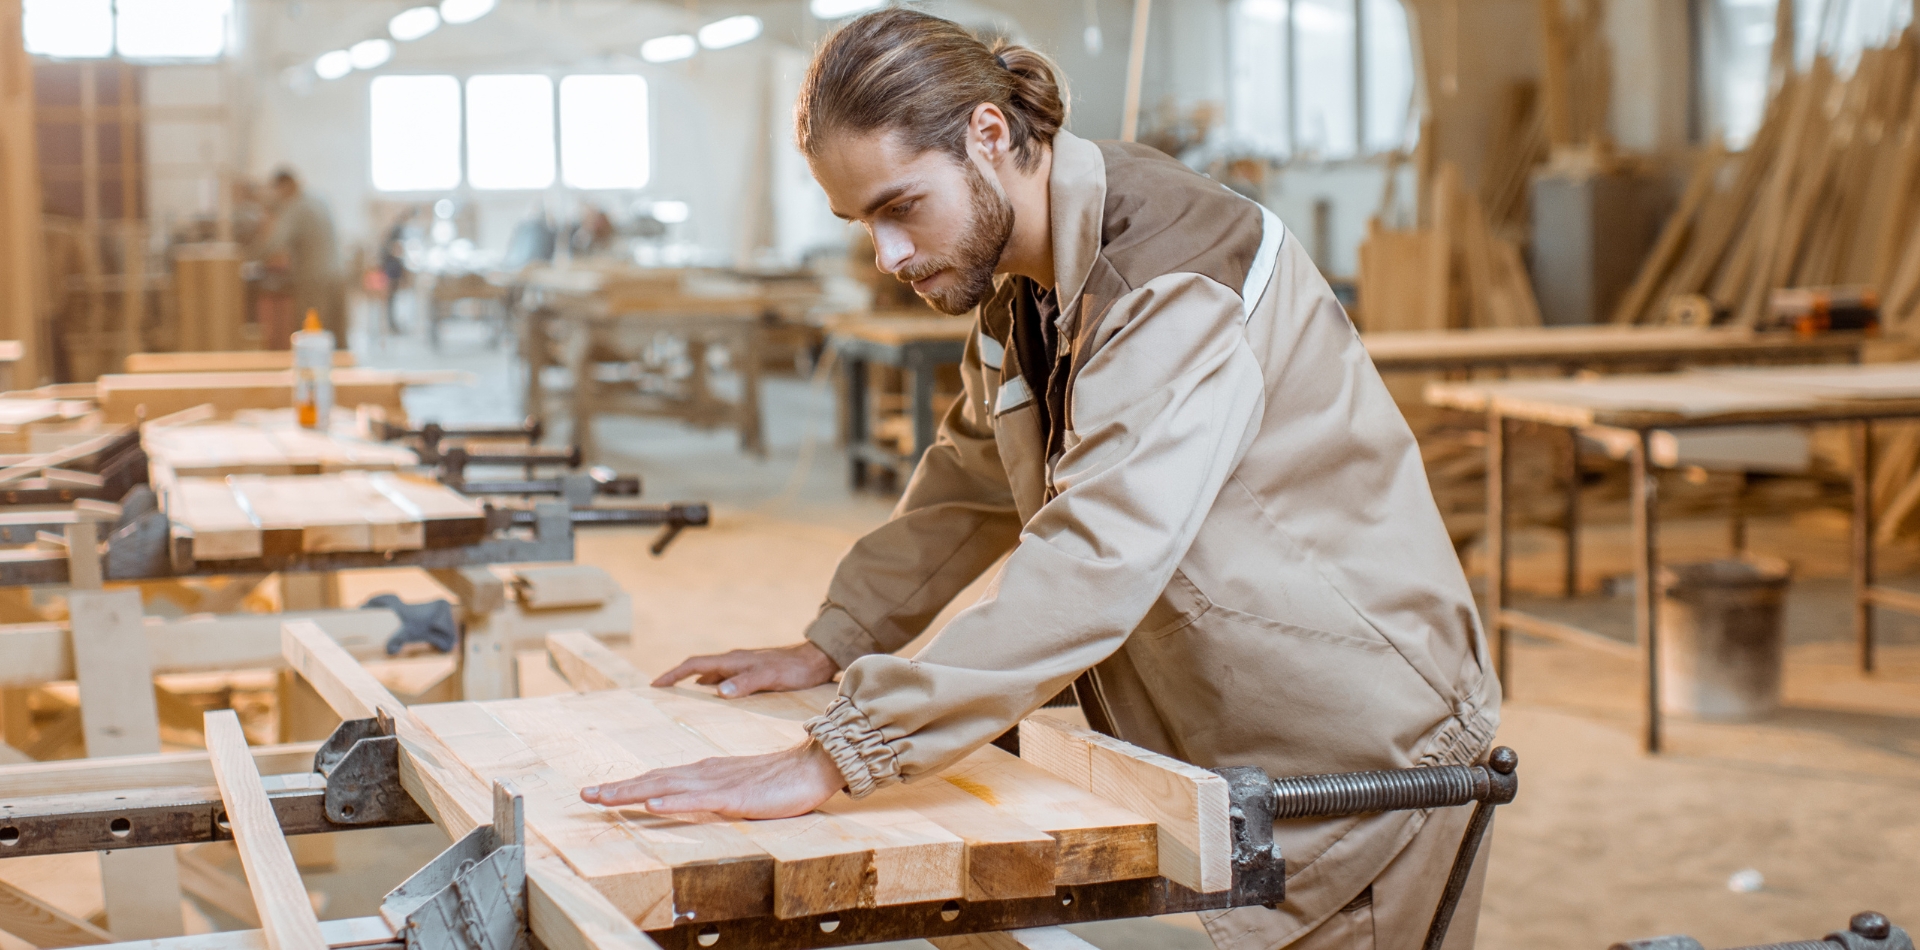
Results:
[989, 827]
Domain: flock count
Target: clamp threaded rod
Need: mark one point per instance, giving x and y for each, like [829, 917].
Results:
[1357, 793]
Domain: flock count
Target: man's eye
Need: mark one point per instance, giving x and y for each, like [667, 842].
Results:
[900, 210]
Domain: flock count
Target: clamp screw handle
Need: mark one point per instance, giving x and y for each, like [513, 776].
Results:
[1870, 925]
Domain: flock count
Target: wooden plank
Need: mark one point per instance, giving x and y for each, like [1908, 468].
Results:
[81, 776]
[600, 846]
[588, 664]
[226, 361]
[40, 653]
[42, 924]
[562, 585]
[913, 858]
[354, 932]
[565, 912]
[1186, 802]
[119, 716]
[1037, 938]
[287, 919]
[207, 510]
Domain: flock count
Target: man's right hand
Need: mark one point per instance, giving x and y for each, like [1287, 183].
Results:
[745, 672]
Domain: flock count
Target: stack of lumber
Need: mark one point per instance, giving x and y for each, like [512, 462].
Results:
[250, 516]
[1824, 195]
[1454, 272]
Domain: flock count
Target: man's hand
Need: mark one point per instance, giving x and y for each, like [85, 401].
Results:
[781, 785]
[745, 672]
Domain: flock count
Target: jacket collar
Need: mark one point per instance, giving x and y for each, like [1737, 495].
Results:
[1077, 193]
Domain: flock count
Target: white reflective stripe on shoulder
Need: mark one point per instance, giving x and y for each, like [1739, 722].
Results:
[1261, 272]
[991, 352]
[1013, 394]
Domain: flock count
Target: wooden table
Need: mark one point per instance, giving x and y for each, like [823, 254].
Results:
[137, 396]
[1583, 347]
[917, 345]
[1640, 406]
[584, 323]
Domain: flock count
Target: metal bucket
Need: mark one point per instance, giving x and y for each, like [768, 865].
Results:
[1722, 642]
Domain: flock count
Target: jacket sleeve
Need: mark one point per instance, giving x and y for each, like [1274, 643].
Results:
[1163, 412]
[954, 520]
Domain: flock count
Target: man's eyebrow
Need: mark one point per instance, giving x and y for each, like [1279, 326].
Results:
[879, 201]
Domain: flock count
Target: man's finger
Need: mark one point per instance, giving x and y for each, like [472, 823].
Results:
[702, 665]
[748, 682]
[687, 802]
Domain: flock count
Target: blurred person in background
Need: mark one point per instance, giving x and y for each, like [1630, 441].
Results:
[302, 260]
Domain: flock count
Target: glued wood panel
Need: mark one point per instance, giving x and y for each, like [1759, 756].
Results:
[246, 516]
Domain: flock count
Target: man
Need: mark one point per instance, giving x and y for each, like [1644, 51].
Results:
[300, 248]
[1209, 499]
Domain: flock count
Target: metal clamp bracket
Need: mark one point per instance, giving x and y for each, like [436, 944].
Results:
[474, 895]
[361, 763]
[1866, 931]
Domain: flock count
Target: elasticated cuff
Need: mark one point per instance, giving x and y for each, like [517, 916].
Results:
[840, 637]
[855, 747]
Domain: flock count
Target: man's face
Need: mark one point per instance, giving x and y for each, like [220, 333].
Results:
[937, 223]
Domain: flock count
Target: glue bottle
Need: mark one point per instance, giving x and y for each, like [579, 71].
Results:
[313, 374]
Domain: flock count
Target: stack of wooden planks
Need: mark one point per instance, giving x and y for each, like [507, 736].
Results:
[1825, 194]
[251, 516]
[1454, 272]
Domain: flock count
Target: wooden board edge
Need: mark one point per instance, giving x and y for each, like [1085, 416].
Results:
[589, 665]
[286, 917]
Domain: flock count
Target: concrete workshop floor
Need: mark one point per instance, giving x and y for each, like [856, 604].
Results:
[1605, 843]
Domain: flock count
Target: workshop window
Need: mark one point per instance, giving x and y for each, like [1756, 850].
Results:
[603, 132]
[1320, 79]
[415, 133]
[1735, 51]
[510, 132]
[134, 29]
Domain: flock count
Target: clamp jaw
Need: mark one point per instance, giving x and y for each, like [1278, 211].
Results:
[474, 895]
[361, 764]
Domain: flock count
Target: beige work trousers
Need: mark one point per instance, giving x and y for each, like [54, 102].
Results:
[1396, 910]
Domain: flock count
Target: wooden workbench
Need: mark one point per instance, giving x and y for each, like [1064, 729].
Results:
[1583, 347]
[917, 345]
[132, 397]
[1643, 406]
[592, 321]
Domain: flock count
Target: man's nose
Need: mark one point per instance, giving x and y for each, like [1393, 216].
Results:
[891, 249]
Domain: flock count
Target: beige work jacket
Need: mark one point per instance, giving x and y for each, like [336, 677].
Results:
[1231, 526]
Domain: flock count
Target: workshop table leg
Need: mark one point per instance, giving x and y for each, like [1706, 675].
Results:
[1570, 580]
[856, 419]
[1645, 506]
[922, 372]
[1863, 541]
[752, 438]
[1497, 547]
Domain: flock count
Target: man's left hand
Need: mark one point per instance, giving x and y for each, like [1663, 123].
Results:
[781, 785]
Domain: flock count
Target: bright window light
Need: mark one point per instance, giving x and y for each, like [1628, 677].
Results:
[668, 49]
[603, 132]
[69, 28]
[416, 133]
[669, 212]
[173, 29]
[333, 65]
[732, 31]
[835, 9]
[464, 11]
[409, 25]
[510, 132]
[370, 54]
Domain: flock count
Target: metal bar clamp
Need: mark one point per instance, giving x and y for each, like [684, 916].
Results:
[474, 895]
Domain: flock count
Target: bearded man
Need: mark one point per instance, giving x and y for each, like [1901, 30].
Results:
[1213, 515]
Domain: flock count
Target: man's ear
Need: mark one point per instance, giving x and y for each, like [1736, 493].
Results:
[988, 133]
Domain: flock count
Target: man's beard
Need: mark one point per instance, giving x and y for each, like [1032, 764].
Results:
[978, 253]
